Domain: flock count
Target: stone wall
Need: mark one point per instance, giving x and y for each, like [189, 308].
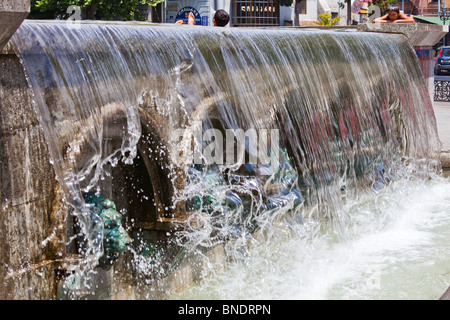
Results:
[31, 219]
[12, 14]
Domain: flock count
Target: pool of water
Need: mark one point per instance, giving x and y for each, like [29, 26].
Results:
[390, 245]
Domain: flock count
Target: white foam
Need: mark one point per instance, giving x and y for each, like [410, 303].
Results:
[393, 247]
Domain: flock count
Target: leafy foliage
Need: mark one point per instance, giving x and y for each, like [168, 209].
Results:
[326, 20]
[91, 9]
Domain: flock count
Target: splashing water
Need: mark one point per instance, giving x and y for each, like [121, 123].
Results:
[353, 121]
[392, 245]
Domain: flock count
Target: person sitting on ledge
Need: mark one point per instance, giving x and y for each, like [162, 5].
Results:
[220, 19]
[394, 15]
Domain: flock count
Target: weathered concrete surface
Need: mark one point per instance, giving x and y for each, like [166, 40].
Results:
[30, 208]
[419, 35]
[442, 112]
[12, 14]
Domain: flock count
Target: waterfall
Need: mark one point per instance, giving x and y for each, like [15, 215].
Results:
[338, 112]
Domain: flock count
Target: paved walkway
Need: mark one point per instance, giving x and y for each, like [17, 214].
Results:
[442, 112]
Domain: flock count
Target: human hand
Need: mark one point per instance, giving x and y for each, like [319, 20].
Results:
[179, 22]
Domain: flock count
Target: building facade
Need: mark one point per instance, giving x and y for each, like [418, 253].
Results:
[248, 13]
[243, 13]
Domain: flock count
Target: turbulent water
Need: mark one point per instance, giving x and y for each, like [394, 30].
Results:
[354, 128]
[393, 245]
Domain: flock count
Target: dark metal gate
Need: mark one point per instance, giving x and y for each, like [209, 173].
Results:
[253, 13]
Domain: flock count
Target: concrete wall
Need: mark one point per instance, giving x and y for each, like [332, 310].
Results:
[12, 14]
[285, 15]
[31, 217]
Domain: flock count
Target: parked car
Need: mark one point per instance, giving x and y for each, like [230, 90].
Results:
[442, 60]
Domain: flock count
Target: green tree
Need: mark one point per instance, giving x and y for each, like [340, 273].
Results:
[325, 19]
[91, 9]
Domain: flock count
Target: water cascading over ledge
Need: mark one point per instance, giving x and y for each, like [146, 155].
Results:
[350, 109]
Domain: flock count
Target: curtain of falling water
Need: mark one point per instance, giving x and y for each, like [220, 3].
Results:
[348, 106]
[87, 105]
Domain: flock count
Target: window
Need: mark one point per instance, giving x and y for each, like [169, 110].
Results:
[253, 13]
[445, 53]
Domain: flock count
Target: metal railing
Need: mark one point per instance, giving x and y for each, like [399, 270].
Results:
[441, 90]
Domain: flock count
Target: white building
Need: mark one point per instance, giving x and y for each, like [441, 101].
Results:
[310, 10]
[249, 12]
